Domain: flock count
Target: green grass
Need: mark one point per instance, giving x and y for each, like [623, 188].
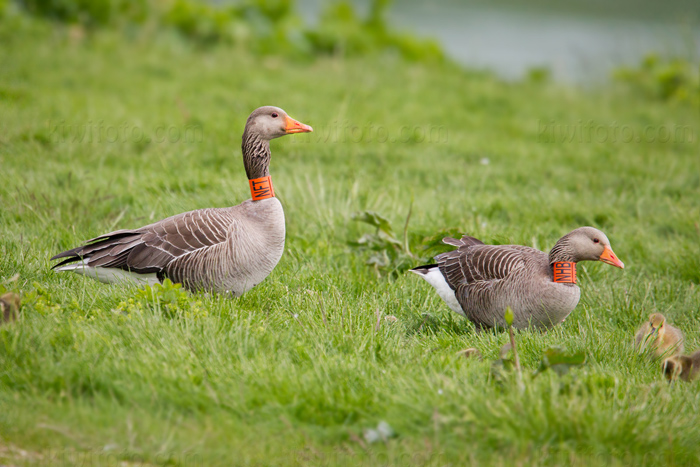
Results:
[292, 372]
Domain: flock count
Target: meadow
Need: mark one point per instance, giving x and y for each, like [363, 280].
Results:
[100, 132]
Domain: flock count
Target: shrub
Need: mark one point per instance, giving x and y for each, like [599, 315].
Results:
[88, 12]
[342, 32]
[263, 26]
[674, 79]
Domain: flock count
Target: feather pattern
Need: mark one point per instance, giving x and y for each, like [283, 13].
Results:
[212, 249]
[220, 249]
[489, 278]
[486, 279]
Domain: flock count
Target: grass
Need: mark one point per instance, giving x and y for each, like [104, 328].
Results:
[295, 370]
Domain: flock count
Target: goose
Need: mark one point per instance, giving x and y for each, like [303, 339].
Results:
[471, 352]
[226, 250]
[9, 307]
[660, 337]
[685, 367]
[479, 281]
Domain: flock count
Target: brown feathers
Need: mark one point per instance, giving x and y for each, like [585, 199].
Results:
[485, 279]
[153, 247]
[223, 249]
[685, 367]
[9, 307]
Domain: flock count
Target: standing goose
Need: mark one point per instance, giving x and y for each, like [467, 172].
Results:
[479, 281]
[220, 249]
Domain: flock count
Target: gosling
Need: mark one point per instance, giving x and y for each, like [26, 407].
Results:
[470, 353]
[662, 338]
[685, 367]
[9, 307]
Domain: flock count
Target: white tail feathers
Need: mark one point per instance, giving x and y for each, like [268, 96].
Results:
[110, 275]
[434, 277]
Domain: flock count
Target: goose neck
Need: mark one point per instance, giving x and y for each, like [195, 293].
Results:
[256, 156]
[562, 252]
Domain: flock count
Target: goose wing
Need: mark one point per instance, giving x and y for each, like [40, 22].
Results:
[474, 263]
[150, 248]
[479, 275]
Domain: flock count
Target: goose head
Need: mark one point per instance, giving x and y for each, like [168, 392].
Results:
[272, 122]
[585, 244]
[656, 324]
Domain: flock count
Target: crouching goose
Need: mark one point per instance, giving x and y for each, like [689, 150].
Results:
[220, 249]
[685, 367]
[479, 281]
[659, 337]
[9, 307]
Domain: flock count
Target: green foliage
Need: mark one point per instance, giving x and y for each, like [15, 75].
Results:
[168, 298]
[560, 361]
[381, 223]
[539, 75]
[342, 32]
[201, 21]
[674, 79]
[89, 12]
[267, 27]
[557, 359]
[295, 370]
[387, 253]
[509, 316]
[264, 27]
[501, 371]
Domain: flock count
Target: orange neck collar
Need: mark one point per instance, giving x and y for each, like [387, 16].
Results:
[564, 272]
[261, 188]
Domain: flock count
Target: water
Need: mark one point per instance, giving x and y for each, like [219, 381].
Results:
[581, 41]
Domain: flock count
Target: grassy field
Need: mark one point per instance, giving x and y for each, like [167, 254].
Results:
[99, 133]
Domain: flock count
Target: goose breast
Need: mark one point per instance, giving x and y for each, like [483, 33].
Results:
[254, 245]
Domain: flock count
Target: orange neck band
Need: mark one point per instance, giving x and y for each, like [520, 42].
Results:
[564, 272]
[261, 188]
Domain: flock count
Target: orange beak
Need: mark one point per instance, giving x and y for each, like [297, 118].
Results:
[296, 127]
[609, 257]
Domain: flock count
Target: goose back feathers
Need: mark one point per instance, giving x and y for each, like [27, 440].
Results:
[225, 249]
[221, 249]
[480, 281]
[685, 367]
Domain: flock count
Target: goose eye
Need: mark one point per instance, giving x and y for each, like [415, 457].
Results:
[595, 240]
[275, 115]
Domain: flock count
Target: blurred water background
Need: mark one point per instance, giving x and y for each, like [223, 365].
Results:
[578, 41]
